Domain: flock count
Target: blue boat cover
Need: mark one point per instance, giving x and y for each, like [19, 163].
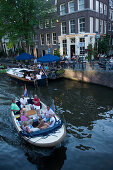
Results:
[48, 58]
[44, 132]
[24, 56]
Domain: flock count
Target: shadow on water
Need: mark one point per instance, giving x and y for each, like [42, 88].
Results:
[87, 110]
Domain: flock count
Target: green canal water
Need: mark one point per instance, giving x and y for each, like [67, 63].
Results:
[86, 109]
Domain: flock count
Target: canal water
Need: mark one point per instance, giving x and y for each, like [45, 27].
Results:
[87, 111]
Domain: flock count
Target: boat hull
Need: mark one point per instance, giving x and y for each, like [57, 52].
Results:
[50, 140]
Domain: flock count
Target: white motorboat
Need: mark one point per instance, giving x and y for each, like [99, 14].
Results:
[48, 137]
[19, 74]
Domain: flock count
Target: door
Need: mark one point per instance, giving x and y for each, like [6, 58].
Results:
[72, 49]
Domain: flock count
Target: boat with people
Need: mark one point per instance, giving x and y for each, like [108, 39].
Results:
[28, 76]
[43, 137]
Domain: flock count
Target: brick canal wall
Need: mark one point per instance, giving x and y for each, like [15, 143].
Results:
[97, 77]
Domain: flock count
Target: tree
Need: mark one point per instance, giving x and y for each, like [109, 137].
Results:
[103, 45]
[20, 18]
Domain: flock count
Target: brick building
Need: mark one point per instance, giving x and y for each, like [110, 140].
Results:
[78, 23]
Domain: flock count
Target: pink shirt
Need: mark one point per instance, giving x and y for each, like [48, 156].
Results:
[24, 118]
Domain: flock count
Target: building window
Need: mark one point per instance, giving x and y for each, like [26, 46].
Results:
[63, 26]
[91, 4]
[40, 24]
[62, 9]
[72, 40]
[71, 7]
[53, 22]
[47, 23]
[54, 39]
[101, 7]
[91, 24]
[109, 26]
[105, 9]
[82, 46]
[48, 39]
[81, 4]
[81, 24]
[97, 25]
[104, 27]
[55, 2]
[64, 42]
[101, 26]
[42, 39]
[97, 6]
[72, 26]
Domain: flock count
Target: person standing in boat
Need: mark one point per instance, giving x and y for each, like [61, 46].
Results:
[14, 107]
[23, 101]
[36, 102]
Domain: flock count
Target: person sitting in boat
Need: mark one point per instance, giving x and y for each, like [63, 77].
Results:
[38, 76]
[45, 116]
[14, 107]
[29, 128]
[28, 77]
[25, 118]
[36, 102]
[44, 125]
[23, 101]
[32, 76]
[48, 111]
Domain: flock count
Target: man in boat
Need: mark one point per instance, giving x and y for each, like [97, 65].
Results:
[23, 101]
[36, 102]
[48, 111]
[14, 107]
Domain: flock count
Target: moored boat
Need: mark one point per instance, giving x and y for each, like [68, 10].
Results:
[20, 75]
[48, 137]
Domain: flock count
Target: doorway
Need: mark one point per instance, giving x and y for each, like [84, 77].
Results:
[43, 52]
[72, 49]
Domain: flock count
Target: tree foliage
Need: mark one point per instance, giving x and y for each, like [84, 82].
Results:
[103, 45]
[18, 18]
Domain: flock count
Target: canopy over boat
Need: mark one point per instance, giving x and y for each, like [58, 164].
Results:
[24, 56]
[48, 58]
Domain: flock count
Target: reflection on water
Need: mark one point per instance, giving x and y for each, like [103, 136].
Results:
[87, 111]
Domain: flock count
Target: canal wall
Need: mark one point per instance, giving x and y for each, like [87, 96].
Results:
[91, 76]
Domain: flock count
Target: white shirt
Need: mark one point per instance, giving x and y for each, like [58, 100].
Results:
[23, 101]
[38, 76]
[52, 119]
[49, 112]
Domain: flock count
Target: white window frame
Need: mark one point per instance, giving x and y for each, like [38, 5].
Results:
[53, 38]
[47, 23]
[101, 7]
[40, 25]
[97, 6]
[97, 25]
[62, 27]
[82, 5]
[79, 25]
[41, 39]
[105, 9]
[62, 12]
[47, 38]
[101, 26]
[69, 7]
[70, 30]
[105, 27]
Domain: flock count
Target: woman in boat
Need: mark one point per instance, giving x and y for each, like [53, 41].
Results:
[25, 118]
